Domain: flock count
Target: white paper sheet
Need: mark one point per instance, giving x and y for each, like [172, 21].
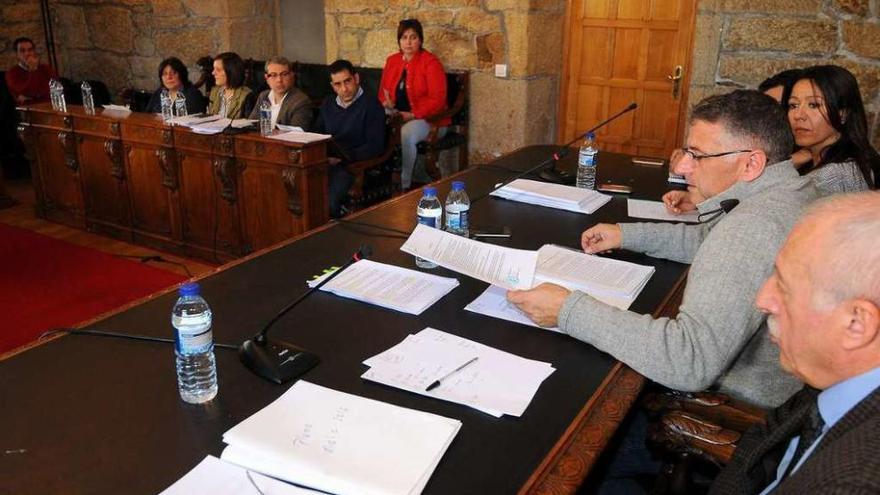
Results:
[493, 302]
[496, 383]
[189, 120]
[217, 126]
[390, 286]
[497, 265]
[553, 196]
[213, 476]
[117, 108]
[300, 137]
[289, 128]
[656, 210]
[595, 273]
[337, 442]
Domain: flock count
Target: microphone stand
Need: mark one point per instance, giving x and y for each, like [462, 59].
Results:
[280, 361]
[551, 174]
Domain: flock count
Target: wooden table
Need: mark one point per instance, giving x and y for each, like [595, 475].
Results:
[131, 177]
[85, 414]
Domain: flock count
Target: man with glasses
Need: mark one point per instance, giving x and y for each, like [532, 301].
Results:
[290, 106]
[718, 338]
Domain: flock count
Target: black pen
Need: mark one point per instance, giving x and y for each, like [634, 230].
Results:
[447, 375]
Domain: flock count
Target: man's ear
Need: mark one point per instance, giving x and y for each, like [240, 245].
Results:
[756, 162]
[859, 321]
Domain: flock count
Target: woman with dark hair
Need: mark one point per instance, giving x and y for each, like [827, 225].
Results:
[228, 97]
[414, 86]
[174, 77]
[827, 117]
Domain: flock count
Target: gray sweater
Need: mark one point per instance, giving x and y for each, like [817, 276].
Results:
[719, 337]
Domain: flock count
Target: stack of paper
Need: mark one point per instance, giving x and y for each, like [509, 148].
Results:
[553, 195]
[496, 382]
[498, 265]
[300, 137]
[213, 476]
[656, 210]
[390, 286]
[341, 443]
[117, 108]
[613, 282]
[217, 126]
[191, 120]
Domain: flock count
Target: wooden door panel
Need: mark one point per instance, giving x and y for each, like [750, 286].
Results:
[150, 197]
[622, 51]
[59, 175]
[103, 175]
[265, 215]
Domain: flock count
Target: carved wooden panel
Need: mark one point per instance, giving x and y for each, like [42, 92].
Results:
[294, 201]
[68, 146]
[273, 152]
[113, 149]
[102, 171]
[225, 168]
[150, 196]
[168, 163]
[58, 183]
[265, 204]
[208, 221]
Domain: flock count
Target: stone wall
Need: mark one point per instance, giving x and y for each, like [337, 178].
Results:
[471, 35]
[739, 43]
[20, 18]
[121, 42]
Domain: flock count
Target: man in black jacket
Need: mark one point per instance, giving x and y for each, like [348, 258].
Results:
[356, 121]
[823, 306]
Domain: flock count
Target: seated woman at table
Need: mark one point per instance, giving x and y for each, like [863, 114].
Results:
[174, 77]
[827, 116]
[414, 86]
[229, 97]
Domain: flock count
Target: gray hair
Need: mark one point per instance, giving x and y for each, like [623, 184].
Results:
[277, 60]
[850, 265]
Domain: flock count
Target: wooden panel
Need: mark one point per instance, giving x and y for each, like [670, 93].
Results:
[266, 205]
[661, 55]
[151, 189]
[665, 10]
[599, 9]
[208, 220]
[273, 152]
[632, 9]
[596, 53]
[147, 135]
[102, 171]
[59, 176]
[58, 120]
[589, 107]
[626, 53]
[96, 127]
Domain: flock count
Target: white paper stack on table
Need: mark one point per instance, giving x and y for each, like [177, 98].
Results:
[217, 126]
[496, 383]
[388, 286]
[613, 282]
[341, 443]
[117, 108]
[553, 195]
[498, 265]
[656, 210]
[213, 476]
[195, 119]
[300, 137]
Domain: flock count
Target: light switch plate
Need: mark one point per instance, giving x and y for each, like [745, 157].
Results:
[500, 70]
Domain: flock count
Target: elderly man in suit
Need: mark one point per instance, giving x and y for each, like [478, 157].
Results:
[823, 307]
[290, 106]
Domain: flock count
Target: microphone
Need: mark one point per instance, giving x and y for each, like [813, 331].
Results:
[562, 177]
[279, 361]
[725, 207]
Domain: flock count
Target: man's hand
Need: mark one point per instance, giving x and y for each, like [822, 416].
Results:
[332, 160]
[33, 61]
[678, 202]
[542, 304]
[600, 238]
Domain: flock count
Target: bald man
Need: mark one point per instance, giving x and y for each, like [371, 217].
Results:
[823, 307]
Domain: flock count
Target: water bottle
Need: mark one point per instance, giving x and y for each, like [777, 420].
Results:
[88, 98]
[586, 176]
[165, 102]
[194, 346]
[429, 213]
[59, 97]
[266, 117]
[180, 105]
[458, 207]
[53, 94]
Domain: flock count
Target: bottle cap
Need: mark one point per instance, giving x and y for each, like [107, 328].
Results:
[429, 191]
[591, 136]
[190, 289]
[458, 186]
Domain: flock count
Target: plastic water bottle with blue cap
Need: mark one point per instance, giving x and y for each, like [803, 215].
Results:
[429, 213]
[586, 175]
[194, 346]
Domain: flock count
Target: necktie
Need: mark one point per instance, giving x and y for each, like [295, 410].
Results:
[811, 428]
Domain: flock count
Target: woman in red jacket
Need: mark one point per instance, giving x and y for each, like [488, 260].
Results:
[413, 85]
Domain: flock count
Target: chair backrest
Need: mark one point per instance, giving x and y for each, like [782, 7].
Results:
[457, 96]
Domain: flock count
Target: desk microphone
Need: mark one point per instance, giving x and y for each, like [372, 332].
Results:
[725, 207]
[551, 174]
[279, 361]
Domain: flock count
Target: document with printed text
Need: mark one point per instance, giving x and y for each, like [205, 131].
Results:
[656, 210]
[553, 195]
[213, 476]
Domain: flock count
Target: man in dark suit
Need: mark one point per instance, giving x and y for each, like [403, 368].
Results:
[289, 105]
[823, 306]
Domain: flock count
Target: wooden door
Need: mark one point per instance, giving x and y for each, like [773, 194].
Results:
[622, 51]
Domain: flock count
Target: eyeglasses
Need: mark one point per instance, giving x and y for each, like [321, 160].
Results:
[697, 157]
[273, 75]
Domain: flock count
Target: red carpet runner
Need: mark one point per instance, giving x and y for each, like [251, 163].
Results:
[47, 283]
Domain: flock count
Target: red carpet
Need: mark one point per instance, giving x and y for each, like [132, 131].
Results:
[47, 283]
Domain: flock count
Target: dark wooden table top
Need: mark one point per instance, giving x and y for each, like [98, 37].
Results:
[83, 414]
